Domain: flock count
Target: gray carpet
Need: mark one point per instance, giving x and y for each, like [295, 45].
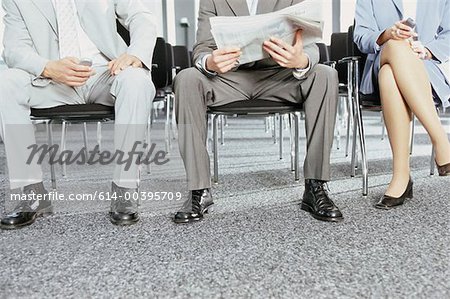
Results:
[257, 243]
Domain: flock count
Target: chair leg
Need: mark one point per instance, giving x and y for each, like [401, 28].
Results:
[362, 142]
[281, 136]
[85, 139]
[63, 146]
[297, 146]
[99, 136]
[349, 124]
[274, 128]
[50, 144]
[222, 130]
[354, 146]
[413, 130]
[292, 140]
[433, 153]
[383, 127]
[167, 125]
[215, 148]
[148, 140]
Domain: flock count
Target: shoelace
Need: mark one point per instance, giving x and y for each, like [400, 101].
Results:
[323, 200]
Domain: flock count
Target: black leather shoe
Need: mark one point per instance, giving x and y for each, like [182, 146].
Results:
[443, 170]
[124, 206]
[26, 212]
[317, 202]
[388, 202]
[200, 202]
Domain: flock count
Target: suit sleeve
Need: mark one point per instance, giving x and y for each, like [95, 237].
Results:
[138, 19]
[366, 31]
[205, 42]
[440, 46]
[19, 51]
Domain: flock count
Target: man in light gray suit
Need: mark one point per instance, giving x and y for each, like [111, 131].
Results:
[291, 74]
[44, 42]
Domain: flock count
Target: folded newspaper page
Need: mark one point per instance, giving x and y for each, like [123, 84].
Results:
[250, 32]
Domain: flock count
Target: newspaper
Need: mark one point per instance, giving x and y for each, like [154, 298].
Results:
[250, 32]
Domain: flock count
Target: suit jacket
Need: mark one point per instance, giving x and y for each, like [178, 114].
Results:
[433, 27]
[31, 31]
[210, 8]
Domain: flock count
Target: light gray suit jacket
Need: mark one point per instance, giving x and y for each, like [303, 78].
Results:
[31, 31]
[210, 8]
[433, 27]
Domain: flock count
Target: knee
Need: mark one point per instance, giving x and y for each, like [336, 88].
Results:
[326, 75]
[136, 80]
[187, 78]
[385, 75]
[13, 81]
[392, 47]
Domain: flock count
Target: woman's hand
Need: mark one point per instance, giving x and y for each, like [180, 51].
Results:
[398, 31]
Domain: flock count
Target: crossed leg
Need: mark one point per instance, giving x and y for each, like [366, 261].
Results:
[405, 91]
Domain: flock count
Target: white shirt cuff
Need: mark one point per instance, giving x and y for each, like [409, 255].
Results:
[300, 73]
[202, 65]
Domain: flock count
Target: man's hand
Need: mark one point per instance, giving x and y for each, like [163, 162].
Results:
[224, 60]
[68, 71]
[125, 60]
[286, 55]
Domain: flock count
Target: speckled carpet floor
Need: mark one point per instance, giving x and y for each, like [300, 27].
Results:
[257, 243]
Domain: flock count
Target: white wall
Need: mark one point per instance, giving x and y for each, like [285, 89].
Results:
[1, 31]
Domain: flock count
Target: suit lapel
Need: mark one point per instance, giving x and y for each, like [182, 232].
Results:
[239, 7]
[266, 6]
[399, 6]
[48, 11]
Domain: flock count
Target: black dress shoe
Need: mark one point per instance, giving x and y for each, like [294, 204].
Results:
[124, 206]
[388, 202]
[443, 170]
[317, 202]
[200, 202]
[26, 212]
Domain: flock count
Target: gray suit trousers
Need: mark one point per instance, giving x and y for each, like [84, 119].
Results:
[195, 92]
[131, 92]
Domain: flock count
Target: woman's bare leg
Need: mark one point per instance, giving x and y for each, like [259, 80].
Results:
[397, 118]
[414, 85]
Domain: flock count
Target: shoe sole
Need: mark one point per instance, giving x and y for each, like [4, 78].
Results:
[207, 210]
[308, 209]
[41, 214]
[125, 222]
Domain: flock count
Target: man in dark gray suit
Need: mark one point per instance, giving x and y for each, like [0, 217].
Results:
[290, 74]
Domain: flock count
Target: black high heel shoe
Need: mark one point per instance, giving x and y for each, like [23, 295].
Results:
[443, 170]
[388, 202]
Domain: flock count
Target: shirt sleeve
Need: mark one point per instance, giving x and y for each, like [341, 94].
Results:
[300, 73]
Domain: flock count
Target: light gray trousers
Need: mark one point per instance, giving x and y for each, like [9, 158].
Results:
[131, 93]
[195, 92]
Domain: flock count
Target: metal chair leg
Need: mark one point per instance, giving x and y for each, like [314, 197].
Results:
[215, 148]
[85, 139]
[174, 119]
[63, 146]
[354, 146]
[433, 153]
[50, 144]
[222, 130]
[99, 136]
[167, 124]
[281, 137]
[297, 146]
[148, 140]
[362, 141]
[292, 141]
[274, 129]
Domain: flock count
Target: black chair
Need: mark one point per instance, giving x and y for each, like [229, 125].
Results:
[91, 112]
[324, 55]
[182, 58]
[338, 51]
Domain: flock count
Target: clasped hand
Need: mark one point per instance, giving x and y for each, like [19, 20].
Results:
[68, 70]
